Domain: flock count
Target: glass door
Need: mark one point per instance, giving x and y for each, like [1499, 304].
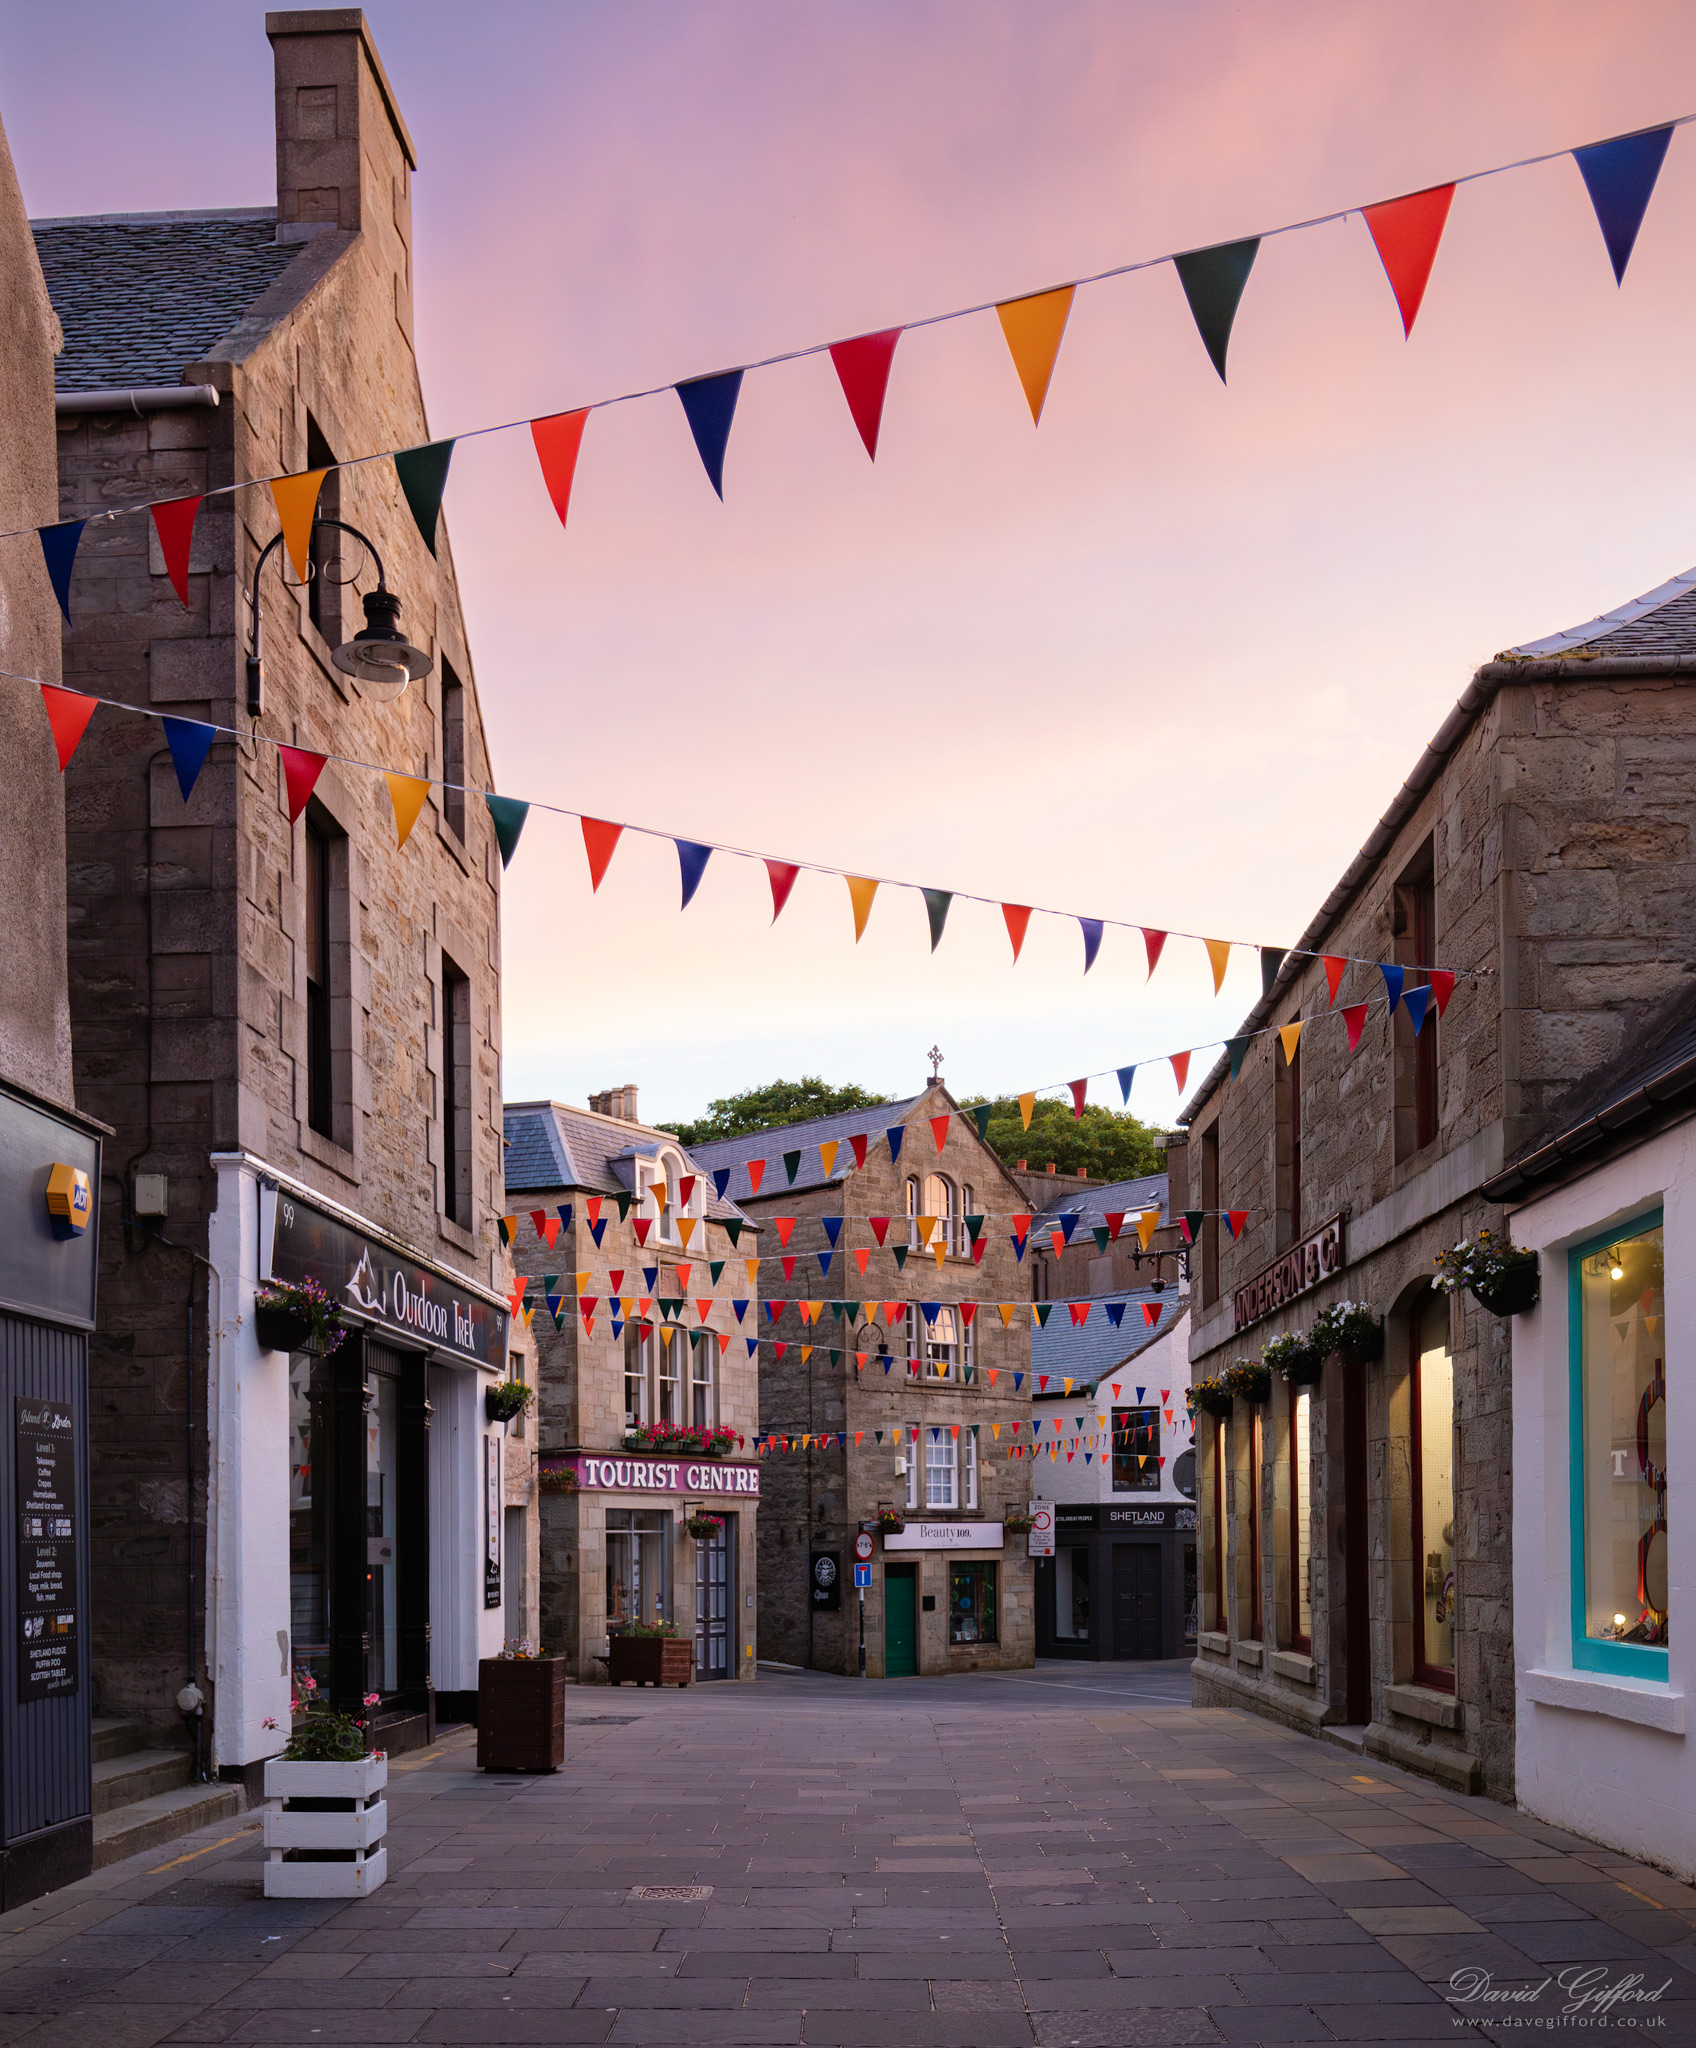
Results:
[382, 1606]
[714, 1600]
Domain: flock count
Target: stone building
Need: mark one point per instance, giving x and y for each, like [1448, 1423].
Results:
[292, 1026]
[927, 1434]
[1356, 1570]
[48, 1154]
[648, 1345]
[1104, 1247]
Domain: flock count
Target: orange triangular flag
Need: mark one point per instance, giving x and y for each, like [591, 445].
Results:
[1289, 1037]
[557, 440]
[1033, 328]
[860, 894]
[1148, 1222]
[68, 713]
[1335, 967]
[939, 1130]
[1018, 915]
[1006, 1309]
[297, 502]
[827, 1156]
[407, 794]
[1406, 232]
[1219, 954]
[686, 1228]
[861, 1254]
[599, 839]
[1027, 1103]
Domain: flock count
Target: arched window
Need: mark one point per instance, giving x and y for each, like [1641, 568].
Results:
[660, 1186]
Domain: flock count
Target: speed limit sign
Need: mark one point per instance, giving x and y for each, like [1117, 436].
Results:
[863, 1547]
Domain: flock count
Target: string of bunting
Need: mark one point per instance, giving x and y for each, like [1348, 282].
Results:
[190, 741]
[1619, 174]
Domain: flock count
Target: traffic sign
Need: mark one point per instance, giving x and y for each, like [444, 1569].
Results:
[862, 1575]
[863, 1548]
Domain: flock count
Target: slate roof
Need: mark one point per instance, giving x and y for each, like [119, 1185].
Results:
[553, 1145]
[140, 296]
[1090, 1201]
[1090, 1354]
[1661, 622]
[805, 1138]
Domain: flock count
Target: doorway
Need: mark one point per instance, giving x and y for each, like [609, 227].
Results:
[1357, 1608]
[900, 1621]
[715, 1567]
[1137, 1617]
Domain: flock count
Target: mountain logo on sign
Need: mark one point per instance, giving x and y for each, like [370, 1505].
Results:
[363, 1286]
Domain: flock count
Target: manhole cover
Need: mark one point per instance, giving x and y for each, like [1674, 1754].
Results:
[672, 1894]
[605, 1721]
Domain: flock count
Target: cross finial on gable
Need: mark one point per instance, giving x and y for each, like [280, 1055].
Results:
[935, 1058]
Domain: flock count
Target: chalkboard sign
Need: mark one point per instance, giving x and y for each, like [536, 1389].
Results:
[47, 1549]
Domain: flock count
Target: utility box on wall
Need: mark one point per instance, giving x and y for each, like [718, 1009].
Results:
[48, 1259]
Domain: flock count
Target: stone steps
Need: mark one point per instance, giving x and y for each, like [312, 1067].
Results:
[145, 1797]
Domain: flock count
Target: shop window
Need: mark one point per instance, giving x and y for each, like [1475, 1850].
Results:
[310, 1495]
[704, 1348]
[1210, 1218]
[971, 1603]
[1300, 1631]
[938, 1448]
[1071, 1592]
[1432, 1427]
[456, 1094]
[638, 1550]
[1254, 1614]
[636, 1363]
[1414, 945]
[1221, 1613]
[382, 1619]
[1136, 1450]
[1621, 1599]
[453, 750]
[328, 1068]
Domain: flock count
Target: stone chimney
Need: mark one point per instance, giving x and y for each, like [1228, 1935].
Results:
[617, 1102]
[344, 158]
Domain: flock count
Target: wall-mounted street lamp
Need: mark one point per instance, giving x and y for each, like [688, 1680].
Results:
[379, 657]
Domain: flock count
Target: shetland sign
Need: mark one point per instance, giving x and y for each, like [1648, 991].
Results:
[1300, 1269]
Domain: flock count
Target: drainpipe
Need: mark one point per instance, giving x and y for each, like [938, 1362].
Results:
[137, 399]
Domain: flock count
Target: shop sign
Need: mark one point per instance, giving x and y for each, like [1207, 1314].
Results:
[404, 1300]
[1298, 1271]
[827, 1582]
[49, 1229]
[47, 1548]
[492, 1521]
[1165, 1517]
[597, 1474]
[946, 1536]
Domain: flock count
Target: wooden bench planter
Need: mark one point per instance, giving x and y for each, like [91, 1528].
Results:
[651, 1660]
[520, 1713]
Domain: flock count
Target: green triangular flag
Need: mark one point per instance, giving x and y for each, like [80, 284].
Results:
[1213, 281]
[508, 815]
[624, 1202]
[1044, 1309]
[936, 906]
[975, 1427]
[1193, 1219]
[834, 1355]
[423, 474]
[981, 1116]
[839, 1309]
[1102, 1235]
[900, 1251]
[1236, 1050]
[974, 1226]
[878, 1433]
[550, 1283]
[733, 1230]
[715, 1267]
[791, 1165]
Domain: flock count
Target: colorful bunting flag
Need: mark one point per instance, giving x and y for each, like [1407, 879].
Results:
[1079, 1090]
[1181, 1069]
[68, 713]
[1620, 176]
[782, 873]
[558, 438]
[1219, 958]
[936, 909]
[895, 1133]
[507, 814]
[1406, 232]
[599, 839]
[1334, 970]
[939, 1130]
[709, 404]
[173, 522]
[857, 1145]
[1027, 1103]
[1213, 281]
[301, 771]
[1393, 979]
[190, 742]
[1033, 327]
[1092, 928]
[59, 552]
[1126, 1075]
[296, 499]
[423, 474]
[1442, 987]
[1148, 1222]
[692, 858]
[1353, 1016]
[1416, 1002]
[1236, 1051]
[1154, 944]
[756, 1174]
[980, 1116]
[1289, 1037]
[406, 794]
[861, 890]
[862, 368]
[827, 1159]
[791, 1166]
[1192, 1224]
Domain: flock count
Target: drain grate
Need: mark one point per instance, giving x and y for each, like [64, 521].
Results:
[605, 1721]
[671, 1894]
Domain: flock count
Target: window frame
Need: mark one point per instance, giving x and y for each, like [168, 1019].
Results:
[454, 749]
[986, 1602]
[1256, 1617]
[1435, 1677]
[1222, 1611]
[947, 1461]
[915, 1465]
[456, 1080]
[1301, 1503]
[1625, 1660]
[1137, 1482]
[703, 1390]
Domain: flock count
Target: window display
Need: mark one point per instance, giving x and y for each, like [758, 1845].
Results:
[1433, 1462]
[638, 1554]
[971, 1603]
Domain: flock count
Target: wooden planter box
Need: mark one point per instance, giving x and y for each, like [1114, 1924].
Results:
[651, 1660]
[520, 1714]
[335, 1837]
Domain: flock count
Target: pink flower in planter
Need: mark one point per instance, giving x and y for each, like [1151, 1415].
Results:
[371, 1699]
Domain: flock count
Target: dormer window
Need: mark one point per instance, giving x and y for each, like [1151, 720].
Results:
[659, 1189]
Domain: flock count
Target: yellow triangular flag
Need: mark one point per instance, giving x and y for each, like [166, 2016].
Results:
[1033, 328]
[582, 1283]
[665, 1335]
[1148, 1222]
[1036, 1320]
[297, 501]
[1067, 1385]
[806, 1353]
[1026, 1104]
[626, 1302]
[1289, 1037]
[407, 794]
[1006, 1308]
[827, 1156]
[656, 1188]
[753, 1266]
[860, 893]
[927, 1225]
[686, 1228]
[1219, 953]
[940, 1248]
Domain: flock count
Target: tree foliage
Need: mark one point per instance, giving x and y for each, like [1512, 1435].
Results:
[769, 1107]
[1112, 1144]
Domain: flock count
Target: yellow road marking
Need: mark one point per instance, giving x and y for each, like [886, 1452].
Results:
[223, 1843]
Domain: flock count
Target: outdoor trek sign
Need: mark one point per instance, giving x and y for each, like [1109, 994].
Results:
[1302, 1267]
[404, 1300]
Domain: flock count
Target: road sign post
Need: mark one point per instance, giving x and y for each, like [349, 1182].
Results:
[862, 1579]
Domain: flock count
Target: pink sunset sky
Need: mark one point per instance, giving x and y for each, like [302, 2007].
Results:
[1166, 658]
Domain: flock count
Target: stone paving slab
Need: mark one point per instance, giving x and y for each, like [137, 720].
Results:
[1060, 1859]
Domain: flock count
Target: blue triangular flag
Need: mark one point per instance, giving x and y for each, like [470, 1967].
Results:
[1115, 1313]
[1018, 1381]
[1236, 1050]
[931, 1309]
[189, 742]
[885, 1362]
[650, 1278]
[710, 403]
[741, 1308]
[1393, 979]
[824, 1259]
[564, 1213]
[1092, 940]
[692, 858]
[936, 1432]
[1068, 1223]
[1415, 1001]
[1139, 1393]
[1125, 1074]
[753, 1344]
[598, 1230]
[832, 1227]
[1018, 1243]
[895, 1134]
[59, 550]
[721, 1180]
[1620, 175]
[509, 814]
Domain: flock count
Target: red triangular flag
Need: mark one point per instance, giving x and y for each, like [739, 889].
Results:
[1334, 969]
[880, 1227]
[68, 713]
[173, 521]
[1354, 1017]
[784, 1226]
[1151, 1313]
[1018, 915]
[782, 873]
[862, 1253]
[642, 1225]
[1442, 987]
[1236, 1218]
[685, 1188]
[1153, 941]
[1407, 232]
[301, 771]
[858, 1146]
[939, 1130]
[557, 440]
[1079, 1090]
[756, 1174]
[862, 365]
[1181, 1068]
[599, 839]
[1115, 1221]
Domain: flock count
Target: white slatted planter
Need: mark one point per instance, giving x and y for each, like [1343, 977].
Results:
[357, 1830]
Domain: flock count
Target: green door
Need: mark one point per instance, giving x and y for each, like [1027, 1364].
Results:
[900, 1623]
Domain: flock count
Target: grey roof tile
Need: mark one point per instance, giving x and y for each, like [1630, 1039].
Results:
[804, 1138]
[552, 1145]
[1090, 1201]
[141, 296]
[1661, 622]
[1087, 1355]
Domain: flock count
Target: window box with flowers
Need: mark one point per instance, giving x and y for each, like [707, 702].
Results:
[298, 1317]
[891, 1523]
[324, 1820]
[682, 1440]
[1503, 1278]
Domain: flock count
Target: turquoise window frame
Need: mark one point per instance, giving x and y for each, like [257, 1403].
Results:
[1624, 1660]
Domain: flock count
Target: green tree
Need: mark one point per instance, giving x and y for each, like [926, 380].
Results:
[1112, 1144]
[769, 1107]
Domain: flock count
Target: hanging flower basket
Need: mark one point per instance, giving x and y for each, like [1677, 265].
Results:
[557, 1477]
[1296, 1359]
[296, 1318]
[1249, 1381]
[509, 1398]
[1017, 1524]
[1514, 1291]
[1503, 1278]
[1353, 1329]
[1209, 1397]
[704, 1527]
[890, 1523]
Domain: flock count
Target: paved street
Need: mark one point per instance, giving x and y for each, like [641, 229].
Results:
[1064, 1856]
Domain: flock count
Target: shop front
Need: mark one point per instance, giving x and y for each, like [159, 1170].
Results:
[357, 1497]
[1121, 1582]
[624, 1524]
[954, 1596]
